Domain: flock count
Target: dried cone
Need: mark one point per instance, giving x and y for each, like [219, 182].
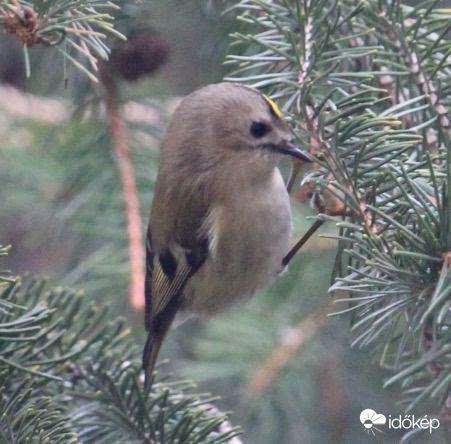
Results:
[140, 56]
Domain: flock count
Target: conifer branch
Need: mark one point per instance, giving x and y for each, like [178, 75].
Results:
[370, 96]
[412, 62]
[70, 375]
[81, 26]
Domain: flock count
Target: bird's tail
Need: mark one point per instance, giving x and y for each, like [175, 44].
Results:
[150, 354]
[157, 333]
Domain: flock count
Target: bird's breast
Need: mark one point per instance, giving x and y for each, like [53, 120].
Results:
[249, 234]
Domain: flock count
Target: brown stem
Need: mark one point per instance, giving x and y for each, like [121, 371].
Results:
[301, 242]
[324, 150]
[308, 45]
[424, 83]
[292, 341]
[329, 154]
[122, 148]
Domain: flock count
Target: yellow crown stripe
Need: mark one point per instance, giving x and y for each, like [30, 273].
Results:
[274, 107]
[271, 102]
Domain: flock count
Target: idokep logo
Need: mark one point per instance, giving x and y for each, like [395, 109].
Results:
[407, 422]
[370, 420]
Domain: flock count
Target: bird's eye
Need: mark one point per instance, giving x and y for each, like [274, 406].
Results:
[259, 129]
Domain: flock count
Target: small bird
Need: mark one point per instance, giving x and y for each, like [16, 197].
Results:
[220, 221]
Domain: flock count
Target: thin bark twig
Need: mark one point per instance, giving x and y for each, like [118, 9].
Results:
[311, 231]
[127, 173]
[292, 341]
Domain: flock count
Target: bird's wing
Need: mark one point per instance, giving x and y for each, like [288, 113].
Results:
[170, 273]
[166, 275]
[169, 268]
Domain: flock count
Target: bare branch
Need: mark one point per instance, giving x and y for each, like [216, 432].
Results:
[122, 148]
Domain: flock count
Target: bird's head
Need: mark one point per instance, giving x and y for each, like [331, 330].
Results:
[228, 121]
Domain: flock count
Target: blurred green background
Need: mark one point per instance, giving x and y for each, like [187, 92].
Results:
[63, 212]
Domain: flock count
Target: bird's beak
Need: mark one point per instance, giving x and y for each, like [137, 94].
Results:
[291, 150]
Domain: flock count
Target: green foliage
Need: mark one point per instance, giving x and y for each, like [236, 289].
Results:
[4, 279]
[74, 28]
[80, 201]
[70, 374]
[367, 85]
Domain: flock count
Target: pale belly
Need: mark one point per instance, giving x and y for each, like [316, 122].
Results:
[246, 250]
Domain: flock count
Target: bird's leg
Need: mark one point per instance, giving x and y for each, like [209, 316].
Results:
[301, 242]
